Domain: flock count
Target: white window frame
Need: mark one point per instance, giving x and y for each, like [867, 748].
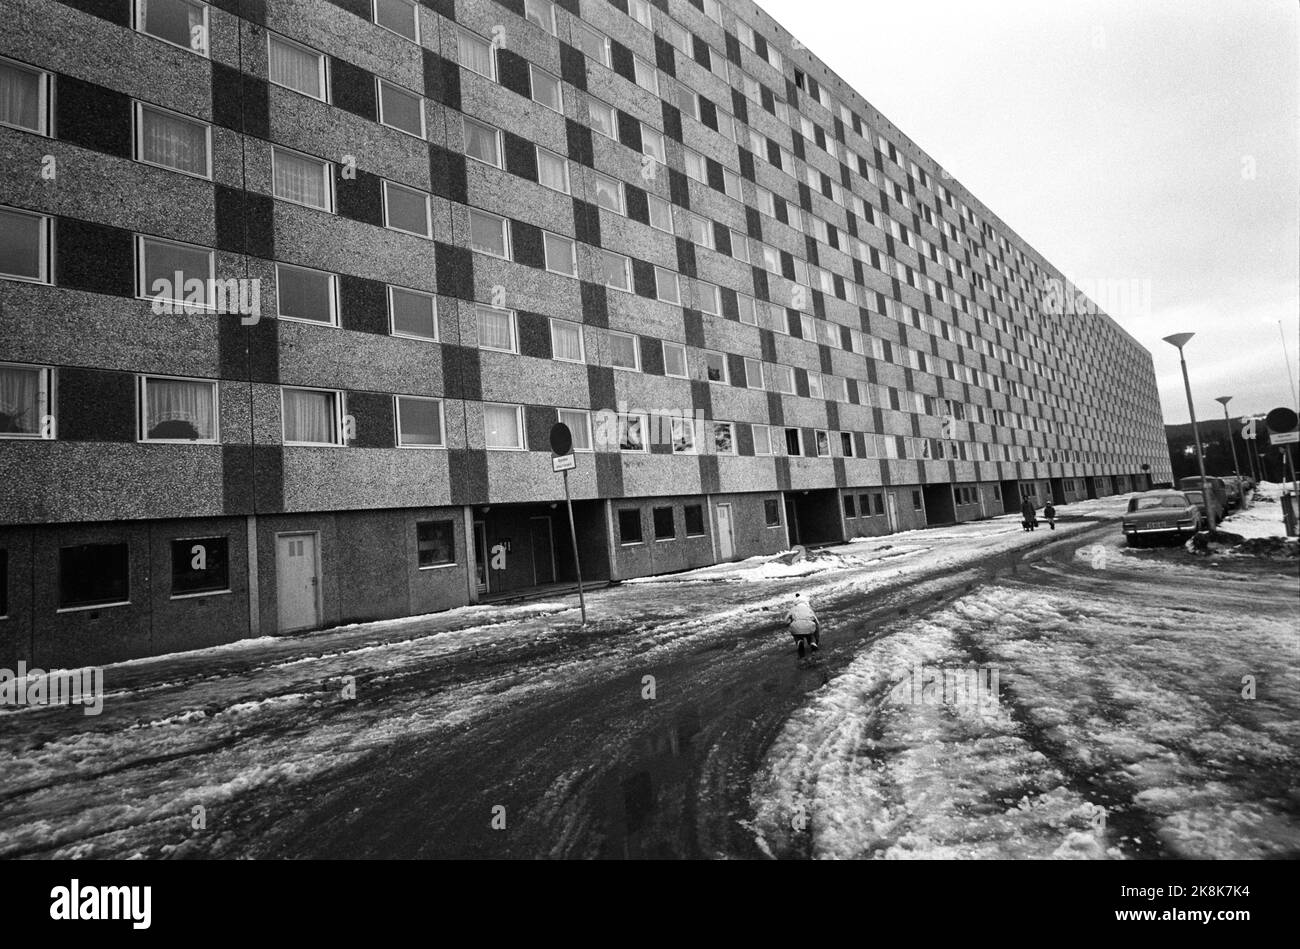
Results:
[618, 190]
[819, 436]
[594, 104]
[137, 138]
[639, 64]
[550, 8]
[636, 351]
[137, 24]
[626, 286]
[46, 402]
[645, 431]
[327, 170]
[573, 254]
[392, 326]
[676, 283]
[568, 187]
[586, 418]
[514, 329]
[582, 343]
[686, 366]
[340, 411]
[428, 210]
[520, 422]
[505, 234]
[653, 200]
[492, 53]
[333, 295]
[533, 70]
[754, 380]
[415, 16]
[726, 372]
[380, 83]
[767, 440]
[496, 135]
[683, 424]
[605, 59]
[322, 66]
[731, 427]
[442, 421]
[711, 292]
[648, 134]
[46, 237]
[142, 292]
[142, 404]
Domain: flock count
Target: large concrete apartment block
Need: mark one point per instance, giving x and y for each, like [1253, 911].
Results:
[293, 291]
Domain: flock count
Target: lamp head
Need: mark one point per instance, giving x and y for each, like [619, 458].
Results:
[1179, 339]
[1223, 400]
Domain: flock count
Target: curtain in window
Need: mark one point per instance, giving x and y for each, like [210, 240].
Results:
[172, 20]
[174, 142]
[481, 142]
[475, 54]
[181, 410]
[20, 97]
[300, 179]
[494, 329]
[20, 400]
[501, 426]
[568, 342]
[577, 422]
[296, 68]
[607, 194]
[550, 172]
[309, 416]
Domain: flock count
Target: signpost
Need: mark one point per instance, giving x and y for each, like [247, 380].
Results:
[564, 462]
[1284, 429]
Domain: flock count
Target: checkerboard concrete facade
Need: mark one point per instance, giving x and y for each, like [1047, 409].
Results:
[779, 320]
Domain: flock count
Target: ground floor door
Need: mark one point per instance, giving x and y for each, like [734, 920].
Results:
[543, 550]
[481, 556]
[891, 510]
[791, 521]
[297, 573]
[726, 539]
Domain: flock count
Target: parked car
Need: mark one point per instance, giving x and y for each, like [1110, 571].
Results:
[1172, 515]
[1213, 488]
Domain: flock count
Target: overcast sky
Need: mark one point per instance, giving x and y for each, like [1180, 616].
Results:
[1151, 140]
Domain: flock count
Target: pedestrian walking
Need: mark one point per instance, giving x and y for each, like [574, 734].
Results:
[1029, 514]
[1049, 512]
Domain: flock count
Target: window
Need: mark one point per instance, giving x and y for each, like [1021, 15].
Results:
[762, 439]
[609, 193]
[159, 264]
[312, 416]
[695, 166]
[793, 441]
[561, 256]
[709, 298]
[631, 432]
[639, 10]
[823, 440]
[652, 144]
[406, 209]
[675, 360]
[916, 500]
[435, 543]
[666, 286]
[682, 431]
[503, 426]
[731, 183]
[296, 67]
[302, 294]
[850, 509]
[724, 441]
[629, 526]
[546, 89]
[94, 575]
[623, 352]
[753, 373]
[401, 109]
[552, 170]
[772, 512]
[412, 314]
[489, 234]
[615, 270]
[595, 45]
[541, 12]
[25, 401]
[200, 565]
[178, 410]
[846, 444]
[661, 213]
[475, 54]
[399, 16]
[566, 341]
[701, 231]
[182, 23]
[301, 179]
[664, 525]
[647, 77]
[782, 378]
[482, 142]
[715, 366]
[25, 245]
[172, 141]
[602, 118]
[419, 422]
[496, 328]
[579, 422]
[739, 246]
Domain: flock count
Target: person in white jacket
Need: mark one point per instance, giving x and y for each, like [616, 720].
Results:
[803, 623]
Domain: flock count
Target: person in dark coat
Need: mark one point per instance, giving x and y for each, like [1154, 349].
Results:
[1049, 512]
[1029, 515]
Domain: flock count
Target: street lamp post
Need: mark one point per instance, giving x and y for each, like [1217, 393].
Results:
[1179, 340]
[1224, 400]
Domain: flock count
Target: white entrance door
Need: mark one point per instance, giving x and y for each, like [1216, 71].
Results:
[726, 546]
[297, 581]
[891, 510]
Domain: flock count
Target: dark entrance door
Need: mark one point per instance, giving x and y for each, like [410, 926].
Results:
[543, 550]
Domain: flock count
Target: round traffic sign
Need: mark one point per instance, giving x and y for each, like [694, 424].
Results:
[561, 439]
[1281, 420]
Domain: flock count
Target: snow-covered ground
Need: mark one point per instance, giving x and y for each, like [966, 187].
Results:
[1147, 713]
[1263, 518]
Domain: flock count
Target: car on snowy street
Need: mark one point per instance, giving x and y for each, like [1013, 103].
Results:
[1172, 515]
[1210, 487]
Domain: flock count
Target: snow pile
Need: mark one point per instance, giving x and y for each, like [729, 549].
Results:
[1263, 519]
